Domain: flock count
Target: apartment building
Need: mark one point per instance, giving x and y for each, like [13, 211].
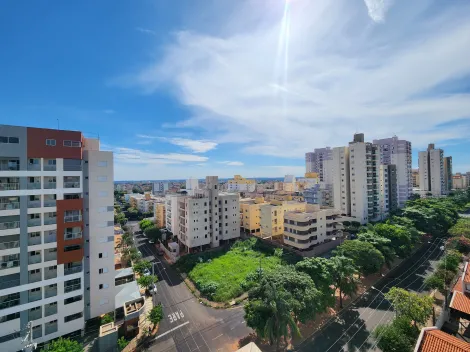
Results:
[394, 151]
[208, 217]
[272, 216]
[241, 184]
[339, 169]
[192, 184]
[56, 233]
[160, 215]
[459, 181]
[306, 229]
[160, 187]
[171, 213]
[388, 190]
[290, 184]
[415, 178]
[431, 171]
[448, 173]
[314, 161]
[250, 214]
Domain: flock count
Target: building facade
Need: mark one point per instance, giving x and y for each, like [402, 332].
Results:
[272, 217]
[160, 215]
[431, 171]
[56, 233]
[340, 177]
[314, 161]
[448, 173]
[415, 178]
[192, 184]
[459, 181]
[171, 213]
[250, 214]
[393, 151]
[241, 184]
[160, 187]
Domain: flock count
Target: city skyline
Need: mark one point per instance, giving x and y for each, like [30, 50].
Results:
[175, 95]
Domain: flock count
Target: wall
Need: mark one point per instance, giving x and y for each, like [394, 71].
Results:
[37, 147]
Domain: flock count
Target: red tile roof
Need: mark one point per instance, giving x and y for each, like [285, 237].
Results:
[460, 302]
[466, 274]
[438, 341]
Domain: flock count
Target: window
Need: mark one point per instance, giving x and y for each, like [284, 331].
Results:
[102, 178]
[102, 163]
[11, 336]
[3, 139]
[102, 286]
[11, 140]
[72, 144]
[73, 317]
[73, 299]
[72, 248]
[103, 270]
[9, 317]
[50, 142]
[103, 255]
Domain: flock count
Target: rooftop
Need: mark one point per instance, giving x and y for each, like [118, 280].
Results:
[123, 273]
[439, 341]
[126, 293]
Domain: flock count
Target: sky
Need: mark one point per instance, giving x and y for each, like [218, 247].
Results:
[189, 88]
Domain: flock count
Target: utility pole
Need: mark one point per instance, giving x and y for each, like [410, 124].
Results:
[28, 339]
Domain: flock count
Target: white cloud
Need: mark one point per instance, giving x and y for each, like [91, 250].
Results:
[231, 163]
[196, 146]
[136, 156]
[146, 31]
[284, 87]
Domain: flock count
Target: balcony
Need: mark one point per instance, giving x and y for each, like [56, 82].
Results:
[8, 264]
[34, 240]
[71, 184]
[34, 277]
[50, 236]
[34, 166]
[50, 273]
[50, 255]
[10, 206]
[50, 221]
[50, 291]
[48, 203]
[9, 225]
[9, 245]
[9, 186]
[34, 296]
[50, 185]
[50, 328]
[37, 332]
[35, 314]
[72, 218]
[34, 203]
[50, 309]
[71, 288]
[34, 259]
[33, 185]
[72, 235]
[9, 283]
[12, 301]
[50, 168]
[34, 222]
[73, 270]
[9, 166]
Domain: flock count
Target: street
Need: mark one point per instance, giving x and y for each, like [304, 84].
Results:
[188, 325]
[352, 329]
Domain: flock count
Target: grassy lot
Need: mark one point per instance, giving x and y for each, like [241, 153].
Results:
[227, 270]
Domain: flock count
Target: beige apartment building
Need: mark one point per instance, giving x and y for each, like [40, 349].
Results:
[459, 181]
[315, 225]
[250, 214]
[272, 216]
[160, 215]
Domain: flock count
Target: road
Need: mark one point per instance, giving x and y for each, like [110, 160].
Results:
[188, 325]
[352, 329]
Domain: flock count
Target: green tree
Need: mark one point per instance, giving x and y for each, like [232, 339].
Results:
[155, 315]
[450, 261]
[366, 257]
[141, 266]
[321, 271]
[144, 224]
[382, 244]
[106, 319]
[344, 275]
[461, 228]
[126, 239]
[270, 314]
[134, 254]
[122, 343]
[398, 336]
[153, 233]
[146, 281]
[441, 280]
[461, 244]
[399, 236]
[410, 305]
[120, 218]
[63, 345]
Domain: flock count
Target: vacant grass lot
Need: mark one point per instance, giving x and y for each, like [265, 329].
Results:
[230, 269]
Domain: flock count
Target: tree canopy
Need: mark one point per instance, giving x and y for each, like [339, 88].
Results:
[63, 345]
[366, 257]
[344, 274]
[146, 223]
[399, 335]
[141, 266]
[155, 315]
[146, 281]
[413, 306]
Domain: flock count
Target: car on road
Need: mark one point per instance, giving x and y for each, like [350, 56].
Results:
[152, 288]
[146, 272]
[152, 241]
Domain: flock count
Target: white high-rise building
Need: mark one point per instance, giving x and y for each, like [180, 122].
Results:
[431, 171]
[241, 184]
[208, 217]
[56, 233]
[171, 213]
[192, 184]
[314, 162]
[160, 187]
[340, 179]
[393, 151]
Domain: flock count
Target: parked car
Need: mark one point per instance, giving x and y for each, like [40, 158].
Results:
[152, 288]
[152, 241]
[146, 272]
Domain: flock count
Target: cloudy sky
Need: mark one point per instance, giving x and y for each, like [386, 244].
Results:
[180, 88]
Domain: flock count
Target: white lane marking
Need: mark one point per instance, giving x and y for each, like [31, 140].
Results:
[217, 337]
[171, 330]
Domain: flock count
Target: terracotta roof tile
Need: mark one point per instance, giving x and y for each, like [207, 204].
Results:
[466, 276]
[458, 286]
[460, 302]
[439, 341]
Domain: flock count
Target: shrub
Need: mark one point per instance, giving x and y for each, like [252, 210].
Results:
[106, 319]
[122, 343]
[461, 244]
[207, 289]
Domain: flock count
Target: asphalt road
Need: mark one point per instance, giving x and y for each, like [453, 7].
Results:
[352, 329]
[188, 325]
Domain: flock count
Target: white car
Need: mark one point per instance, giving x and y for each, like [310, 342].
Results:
[152, 289]
[146, 272]
[151, 241]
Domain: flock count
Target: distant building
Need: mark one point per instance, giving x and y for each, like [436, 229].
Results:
[415, 178]
[290, 184]
[160, 187]
[459, 181]
[250, 214]
[432, 175]
[448, 173]
[314, 162]
[241, 184]
[272, 216]
[192, 184]
[160, 215]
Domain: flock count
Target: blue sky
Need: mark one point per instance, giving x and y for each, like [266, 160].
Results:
[212, 87]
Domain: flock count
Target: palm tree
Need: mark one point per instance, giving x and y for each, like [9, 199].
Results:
[344, 276]
[127, 239]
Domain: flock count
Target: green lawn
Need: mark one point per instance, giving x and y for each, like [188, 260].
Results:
[230, 269]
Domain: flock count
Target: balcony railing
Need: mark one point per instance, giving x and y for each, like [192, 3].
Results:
[50, 167]
[71, 288]
[49, 203]
[71, 184]
[34, 167]
[34, 203]
[37, 332]
[9, 283]
[35, 314]
[72, 218]
[34, 222]
[9, 167]
[34, 278]
[74, 270]
[50, 328]
[48, 256]
[50, 185]
[50, 238]
[34, 259]
[34, 185]
[9, 245]
[50, 310]
[50, 221]
[72, 235]
[10, 206]
[32, 241]
[34, 296]
[9, 186]
[9, 264]
[9, 225]
[50, 292]
[10, 303]
[50, 274]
